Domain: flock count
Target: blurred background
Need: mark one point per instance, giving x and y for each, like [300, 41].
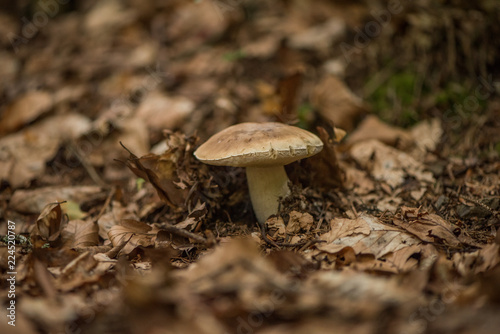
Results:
[414, 84]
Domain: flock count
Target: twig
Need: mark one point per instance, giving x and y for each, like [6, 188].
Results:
[106, 204]
[186, 234]
[474, 201]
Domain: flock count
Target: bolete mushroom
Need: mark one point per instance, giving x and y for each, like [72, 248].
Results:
[263, 148]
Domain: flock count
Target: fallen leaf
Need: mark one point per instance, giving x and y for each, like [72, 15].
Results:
[194, 217]
[131, 234]
[163, 112]
[365, 235]
[299, 221]
[319, 37]
[427, 226]
[80, 233]
[24, 154]
[426, 135]
[34, 200]
[477, 262]
[325, 165]
[336, 103]
[373, 128]
[388, 164]
[48, 224]
[24, 110]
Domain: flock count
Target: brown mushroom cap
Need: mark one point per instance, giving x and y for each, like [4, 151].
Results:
[258, 145]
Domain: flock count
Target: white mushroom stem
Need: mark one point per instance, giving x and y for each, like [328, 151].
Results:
[266, 186]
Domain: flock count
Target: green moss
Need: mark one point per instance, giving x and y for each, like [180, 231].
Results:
[497, 148]
[234, 55]
[304, 114]
[394, 100]
[459, 100]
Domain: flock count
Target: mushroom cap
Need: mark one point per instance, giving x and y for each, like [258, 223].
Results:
[258, 145]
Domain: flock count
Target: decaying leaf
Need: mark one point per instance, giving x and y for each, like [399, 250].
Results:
[131, 234]
[24, 154]
[48, 224]
[337, 103]
[325, 165]
[194, 217]
[299, 221]
[165, 171]
[152, 111]
[366, 235]
[80, 233]
[388, 164]
[23, 110]
[34, 200]
[373, 128]
[477, 262]
[427, 226]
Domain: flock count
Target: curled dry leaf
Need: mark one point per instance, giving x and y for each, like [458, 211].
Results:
[48, 224]
[327, 172]
[169, 172]
[429, 227]
[131, 234]
[194, 217]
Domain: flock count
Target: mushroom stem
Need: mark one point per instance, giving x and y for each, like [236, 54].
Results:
[266, 186]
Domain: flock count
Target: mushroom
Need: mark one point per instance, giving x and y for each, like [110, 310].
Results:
[264, 149]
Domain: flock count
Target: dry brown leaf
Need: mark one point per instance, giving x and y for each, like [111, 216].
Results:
[114, 216]
[131, 234]
[427, 226]
[426, 135]
[24, 154]
[479, 261]
[365, 235]
[235, 266]
[48, 224]
[403, 260]
[194, 217]
[80, 233]
[356, 180]
[299, 221]
[373, 128]
[167, 172]
[33, 200]
[319, 37]
[24, 110]
[263, 47]
[336, 103]
[325, 165]
[163, 112]
[388, 164]
[276, 224]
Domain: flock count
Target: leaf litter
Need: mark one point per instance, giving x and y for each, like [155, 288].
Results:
[386, 230]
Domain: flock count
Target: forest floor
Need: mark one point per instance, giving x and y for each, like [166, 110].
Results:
[109, 224]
